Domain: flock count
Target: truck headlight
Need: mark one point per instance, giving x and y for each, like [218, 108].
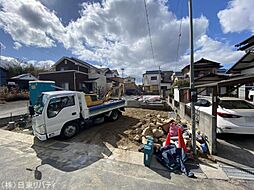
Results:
[41, 129]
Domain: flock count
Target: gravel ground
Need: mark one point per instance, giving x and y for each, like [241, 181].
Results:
[117, 133]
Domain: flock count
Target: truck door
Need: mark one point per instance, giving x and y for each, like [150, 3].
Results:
[60, 110]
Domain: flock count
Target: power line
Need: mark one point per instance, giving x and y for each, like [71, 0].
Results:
[149, 31]
[178, 44]
[179, 36]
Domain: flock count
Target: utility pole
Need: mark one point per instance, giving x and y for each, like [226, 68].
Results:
[192, 87]
[123, 81]
[0, 53]
[160, 80]
[2, 47]
[122, 69]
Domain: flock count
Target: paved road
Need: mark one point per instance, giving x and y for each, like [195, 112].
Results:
[236, 155]
[14, 108]
[25, 162]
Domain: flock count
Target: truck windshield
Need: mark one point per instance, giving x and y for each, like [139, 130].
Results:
[40, 103]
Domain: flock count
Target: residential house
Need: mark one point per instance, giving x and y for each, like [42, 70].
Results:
[166, 81]
[157, 82]
[75, 74]
[206, 71]
[177, 75]
[245, 65]
[152, 82]
[22, 81]
[202, 67]
[3, 76]
[110, 73]
[129, 79]
[130, 87]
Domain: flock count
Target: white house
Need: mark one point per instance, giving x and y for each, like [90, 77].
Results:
[152, 82]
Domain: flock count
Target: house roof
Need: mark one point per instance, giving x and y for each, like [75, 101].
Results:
[153, 72]
[246, 43]
[65, 71]
[104, 69]
[27, 76]
[109, 71]
[245, 62]
[219, 76]
[178, 73]
[115, 71]
[204, 63]
[117, 79]
[76, 61]
[168, 72]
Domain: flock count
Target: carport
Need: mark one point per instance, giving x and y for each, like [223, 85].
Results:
[216, 87]
[230, 85]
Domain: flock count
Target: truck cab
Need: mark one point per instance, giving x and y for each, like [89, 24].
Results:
[54, 110]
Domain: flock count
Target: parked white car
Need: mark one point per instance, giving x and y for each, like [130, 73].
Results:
[233, 115]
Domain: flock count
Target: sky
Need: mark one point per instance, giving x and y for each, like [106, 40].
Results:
[114, 33]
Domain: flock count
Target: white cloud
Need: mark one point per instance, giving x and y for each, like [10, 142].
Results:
[17, 45]
[213, 50]
[238, 16]
[114, 34]
[30, 23]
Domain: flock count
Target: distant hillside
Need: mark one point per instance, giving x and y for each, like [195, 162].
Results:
[17, 67]
[7, 62]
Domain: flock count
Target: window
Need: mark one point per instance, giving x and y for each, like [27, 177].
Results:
[57, 104]
[41, 101]
[203, 103]
[154, 78]
[235, 104]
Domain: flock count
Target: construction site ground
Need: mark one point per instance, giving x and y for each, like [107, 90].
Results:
[116, 134]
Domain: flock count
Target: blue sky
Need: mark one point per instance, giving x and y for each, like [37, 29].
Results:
[114, 33]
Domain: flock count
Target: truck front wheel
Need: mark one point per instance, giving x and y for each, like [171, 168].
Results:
[69, 130]
[114, 115]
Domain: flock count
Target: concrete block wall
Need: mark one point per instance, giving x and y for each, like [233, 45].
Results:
[207, 125]
[205, 122]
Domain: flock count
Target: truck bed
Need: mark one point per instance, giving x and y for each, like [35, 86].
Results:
[105, 107]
